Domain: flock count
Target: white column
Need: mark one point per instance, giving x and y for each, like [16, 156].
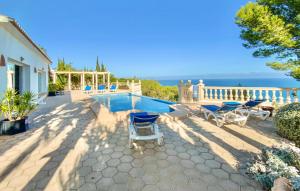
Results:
[288, 95]
[132, 86]
[93, 79]
[108, 80]
[117, 83]
[54, 77]
[96, 81]
[103, 78]
[83, 81]
[201, 90]
[69, 80]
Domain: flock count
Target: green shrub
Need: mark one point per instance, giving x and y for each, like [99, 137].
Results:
[287, 122]
[153, 89]
[52, 87]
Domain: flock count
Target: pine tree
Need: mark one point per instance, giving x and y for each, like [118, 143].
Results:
[98, 69]
[103, 68]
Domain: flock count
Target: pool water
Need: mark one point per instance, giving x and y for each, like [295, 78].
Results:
[127, 102]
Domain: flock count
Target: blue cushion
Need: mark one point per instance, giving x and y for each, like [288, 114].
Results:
[234, 103]
[101, 87]
[113, 87]
[143, 117]
[212, 108]
[224, 108]
[88, 88]
[253, 103]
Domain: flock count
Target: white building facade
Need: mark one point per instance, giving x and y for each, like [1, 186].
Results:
[23, 64]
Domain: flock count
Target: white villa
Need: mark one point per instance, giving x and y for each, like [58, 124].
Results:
[23, 64]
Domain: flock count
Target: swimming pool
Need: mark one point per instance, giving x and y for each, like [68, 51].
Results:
[127, 102]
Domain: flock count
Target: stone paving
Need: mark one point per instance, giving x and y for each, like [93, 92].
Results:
[66, 149]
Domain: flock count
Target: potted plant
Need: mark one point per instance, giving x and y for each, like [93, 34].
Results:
[60, 88]
[15, 109]
[52, 88]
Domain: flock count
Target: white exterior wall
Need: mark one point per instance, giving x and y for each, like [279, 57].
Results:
[14, 45]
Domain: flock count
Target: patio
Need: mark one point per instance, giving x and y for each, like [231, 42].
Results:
[68, 149]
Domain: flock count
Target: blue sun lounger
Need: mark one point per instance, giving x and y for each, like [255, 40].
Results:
[223, 114]
[113, 88]
[87, 89]
[143, 120]
[251, 108]
[101, 88]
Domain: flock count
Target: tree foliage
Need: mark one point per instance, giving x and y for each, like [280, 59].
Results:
[153, 89]
[98, 69]
[271, 27]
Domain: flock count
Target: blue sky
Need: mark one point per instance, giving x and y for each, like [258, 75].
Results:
[139, 37]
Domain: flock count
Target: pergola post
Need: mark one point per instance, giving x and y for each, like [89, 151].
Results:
[69, 81]
[108, 80]
[54, 77]
[97, 81]
[93, 79]
[83, 81]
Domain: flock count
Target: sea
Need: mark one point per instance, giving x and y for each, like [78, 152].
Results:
[268, 82]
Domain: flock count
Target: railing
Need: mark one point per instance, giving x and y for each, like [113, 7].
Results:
[135, 88]
[196, 93]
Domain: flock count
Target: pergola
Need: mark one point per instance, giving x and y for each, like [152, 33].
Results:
[82, 78]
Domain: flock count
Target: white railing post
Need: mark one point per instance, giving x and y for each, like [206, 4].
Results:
[248, 95]
[281, 101]
[201, 86]
[296, 99]
[180, 92]
[273, 97]
[242, 95]
[260, 94]
[230, 94]
[225, 94]
[288, 95]
[132, 86]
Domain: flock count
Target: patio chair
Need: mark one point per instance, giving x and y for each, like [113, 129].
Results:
[251, 108]
[143, 120]
[224, 114]
[101, 88]
[87, 89]
[113, 88]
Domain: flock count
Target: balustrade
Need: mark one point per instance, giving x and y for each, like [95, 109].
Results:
[214, 93]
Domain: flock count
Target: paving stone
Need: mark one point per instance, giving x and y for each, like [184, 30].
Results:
[150, 178]
[83, 171]
[99, 166]
[104, 183]
[136, 184]
[187, 163]
[109, 172]
[126, 158]
[93, 177]
[88, 187]
[212, 164]
[183, 155]
[137, 172]
[120, 178]
[124, 167]
[219, 173]
[116, 154]
[113, 162]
